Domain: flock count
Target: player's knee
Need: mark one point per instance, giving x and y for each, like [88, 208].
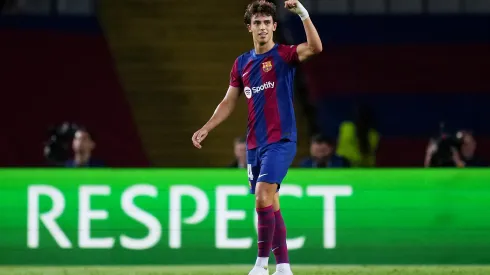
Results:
[262, 200]
[264, 194]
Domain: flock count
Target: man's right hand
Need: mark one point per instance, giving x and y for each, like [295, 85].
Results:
[199, 136]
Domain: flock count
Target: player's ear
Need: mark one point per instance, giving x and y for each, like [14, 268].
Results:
[249, 28]
[275, 26]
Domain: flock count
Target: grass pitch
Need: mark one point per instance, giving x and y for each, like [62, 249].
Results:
[243, 270]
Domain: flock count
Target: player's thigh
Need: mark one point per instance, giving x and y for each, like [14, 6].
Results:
[275, 161]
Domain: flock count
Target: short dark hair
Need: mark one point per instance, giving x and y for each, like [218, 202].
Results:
[319, 138]
[260, 7]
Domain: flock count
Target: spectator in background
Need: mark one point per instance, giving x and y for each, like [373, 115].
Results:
[358, 140]
[240, 151]
[468, 151]
[464, 157]
[322, 154]
[83, 146]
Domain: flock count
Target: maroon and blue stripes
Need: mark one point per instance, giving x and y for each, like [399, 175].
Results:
[267, 80]
[271, 106]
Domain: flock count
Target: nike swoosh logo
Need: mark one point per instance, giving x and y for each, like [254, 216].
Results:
[245, 74]
[262, 175]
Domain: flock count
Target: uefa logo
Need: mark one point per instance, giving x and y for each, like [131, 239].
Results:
[248, 92]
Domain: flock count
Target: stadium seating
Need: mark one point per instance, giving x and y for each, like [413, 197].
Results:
[174, 59]
[55, 70]
[415, 71]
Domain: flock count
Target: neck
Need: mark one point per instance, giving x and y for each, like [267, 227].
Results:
[242, 162]
[82, 158]
[263, 48]
[323, 159]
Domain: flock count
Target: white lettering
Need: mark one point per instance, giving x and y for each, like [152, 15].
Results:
[267, 85]
[87, 214]
[179, 215]
[329, 193]
[202, 210]
[223, 215]
[153, 225]
[48, 219]
[296, 191]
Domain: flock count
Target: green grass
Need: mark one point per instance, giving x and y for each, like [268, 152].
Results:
[243, 270]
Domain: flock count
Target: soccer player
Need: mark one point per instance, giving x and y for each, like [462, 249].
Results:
[265, 76]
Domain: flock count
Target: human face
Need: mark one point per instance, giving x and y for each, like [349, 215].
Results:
[320, 150]
[240, 150]
[262, 28]
[82, 142]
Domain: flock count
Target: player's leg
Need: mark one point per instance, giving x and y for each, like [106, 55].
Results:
[264, 198]
[284, 153]
[279, 245]
[275, 161]
[263, 212]
[276, 204]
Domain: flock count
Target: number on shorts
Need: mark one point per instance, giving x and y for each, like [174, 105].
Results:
[249, 170]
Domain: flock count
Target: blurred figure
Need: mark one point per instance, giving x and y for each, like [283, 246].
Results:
[82, 146]
[429, 152]
[240, 152]
[358, 140]
[322, 154]
[468, 151]
[461, 152]
[58, 147]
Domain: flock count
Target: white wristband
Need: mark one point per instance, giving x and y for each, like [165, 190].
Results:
[301, 11]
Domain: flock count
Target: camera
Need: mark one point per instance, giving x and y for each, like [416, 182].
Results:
[445, 144]
[57, 149]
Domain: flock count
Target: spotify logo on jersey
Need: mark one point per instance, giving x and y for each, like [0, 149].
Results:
[256, 90]
[248, 92]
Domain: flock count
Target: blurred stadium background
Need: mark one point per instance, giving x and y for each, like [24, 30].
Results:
[140, 76]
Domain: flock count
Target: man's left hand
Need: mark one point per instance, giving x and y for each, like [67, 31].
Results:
[296, 7]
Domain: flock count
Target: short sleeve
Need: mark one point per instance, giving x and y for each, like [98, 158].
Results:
[289, 54]
[235, 79]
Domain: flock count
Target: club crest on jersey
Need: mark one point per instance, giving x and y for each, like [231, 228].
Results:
[267, 66]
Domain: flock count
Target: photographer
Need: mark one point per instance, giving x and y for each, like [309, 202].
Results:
[453, 151]
[468, 151]
[70, 145]
[83, 146]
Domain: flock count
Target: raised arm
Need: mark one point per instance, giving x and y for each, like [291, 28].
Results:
[222, 112]
[313, 44]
